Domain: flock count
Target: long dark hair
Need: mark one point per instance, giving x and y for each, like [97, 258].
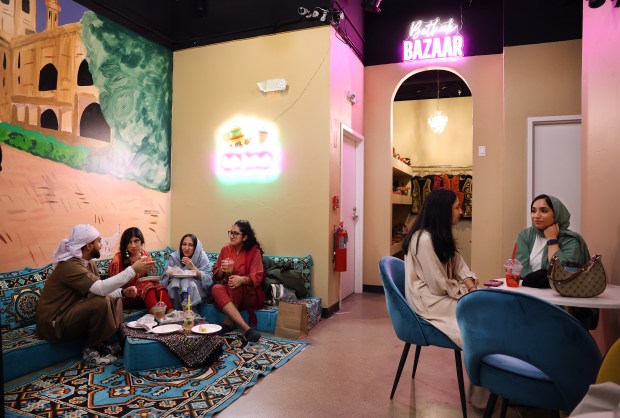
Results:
[194, 240]
[246, 229]
[435, 217]
[128, 234]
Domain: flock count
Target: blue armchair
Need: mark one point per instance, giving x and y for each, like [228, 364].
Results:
[525, 350]
[409, 327]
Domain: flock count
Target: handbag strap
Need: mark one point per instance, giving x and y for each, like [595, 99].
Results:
[555, 261]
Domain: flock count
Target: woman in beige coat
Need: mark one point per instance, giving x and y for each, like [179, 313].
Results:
[436, 275]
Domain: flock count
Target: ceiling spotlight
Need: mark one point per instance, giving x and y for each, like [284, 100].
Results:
[303, 11]
[593, 4]
[371, 5]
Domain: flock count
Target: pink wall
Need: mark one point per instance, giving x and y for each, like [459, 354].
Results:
[600, 90]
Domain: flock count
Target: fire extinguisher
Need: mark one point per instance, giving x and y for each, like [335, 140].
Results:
[340, 248]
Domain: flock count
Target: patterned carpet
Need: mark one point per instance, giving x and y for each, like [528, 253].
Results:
[76, 390]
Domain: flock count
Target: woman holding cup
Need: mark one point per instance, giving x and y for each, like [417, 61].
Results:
[150, 292]
[239, 268]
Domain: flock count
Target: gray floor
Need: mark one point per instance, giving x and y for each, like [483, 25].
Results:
[349, 369]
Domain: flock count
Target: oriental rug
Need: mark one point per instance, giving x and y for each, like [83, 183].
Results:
[74, 389]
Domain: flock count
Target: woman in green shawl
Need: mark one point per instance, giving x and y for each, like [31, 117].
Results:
[548, 236]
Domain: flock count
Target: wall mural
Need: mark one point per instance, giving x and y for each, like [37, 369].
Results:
[85, 114]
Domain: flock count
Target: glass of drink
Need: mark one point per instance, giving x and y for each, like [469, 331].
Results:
[160, 310]
[227, 266]
[188, 321]
[513, 267]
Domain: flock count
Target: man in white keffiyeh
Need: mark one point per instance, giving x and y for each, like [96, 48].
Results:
[76, 304]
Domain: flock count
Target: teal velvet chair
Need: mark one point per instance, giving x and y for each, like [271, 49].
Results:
[525, 350]
[409, 327]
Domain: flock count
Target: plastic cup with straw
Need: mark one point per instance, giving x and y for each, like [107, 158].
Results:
[513, 269]
[160, 307]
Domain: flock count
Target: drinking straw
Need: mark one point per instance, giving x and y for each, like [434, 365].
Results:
[514, 254]
[160, 295]
[189, 303]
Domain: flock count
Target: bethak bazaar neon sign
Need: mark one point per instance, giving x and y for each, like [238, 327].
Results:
[432, 39]
[247, 151]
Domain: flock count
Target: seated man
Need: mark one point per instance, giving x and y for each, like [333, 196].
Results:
[76, 304]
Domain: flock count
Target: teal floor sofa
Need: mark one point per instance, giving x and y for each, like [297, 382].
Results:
[24, 352]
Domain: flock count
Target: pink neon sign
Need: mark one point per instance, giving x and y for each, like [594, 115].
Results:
[247, 151]
[432, 39]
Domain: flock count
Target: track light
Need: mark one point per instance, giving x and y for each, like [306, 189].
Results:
[594, 4]
[334, 16]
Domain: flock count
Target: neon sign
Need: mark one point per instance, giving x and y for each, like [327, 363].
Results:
[432, 39]
[247, 151]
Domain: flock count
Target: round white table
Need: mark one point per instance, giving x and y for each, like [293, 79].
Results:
[609, 299]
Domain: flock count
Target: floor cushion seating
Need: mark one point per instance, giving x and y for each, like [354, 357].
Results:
[23, 351]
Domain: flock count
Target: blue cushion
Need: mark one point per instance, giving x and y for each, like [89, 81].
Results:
[515, 365]
[266, 318]
[142, 354]
[20, 292]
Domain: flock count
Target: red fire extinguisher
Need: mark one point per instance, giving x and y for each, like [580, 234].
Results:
[340, 248]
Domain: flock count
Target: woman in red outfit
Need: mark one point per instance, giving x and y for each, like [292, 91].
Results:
[149, 292]
[242, 289]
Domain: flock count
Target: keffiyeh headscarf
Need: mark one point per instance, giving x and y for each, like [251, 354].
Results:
[70, 247]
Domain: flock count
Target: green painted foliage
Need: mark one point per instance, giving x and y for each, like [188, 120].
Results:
[134, 78]
[43, 146]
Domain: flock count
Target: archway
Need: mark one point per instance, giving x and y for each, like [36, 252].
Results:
[428, 156]
[48, 78]
[49, 120]
[93, 124]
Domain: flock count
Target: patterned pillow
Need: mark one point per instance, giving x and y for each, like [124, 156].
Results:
[301, 264]
[20, 292]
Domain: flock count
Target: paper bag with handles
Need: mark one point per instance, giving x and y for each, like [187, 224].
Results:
[292, 321]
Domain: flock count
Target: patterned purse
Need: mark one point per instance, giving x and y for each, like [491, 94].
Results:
[584, 282]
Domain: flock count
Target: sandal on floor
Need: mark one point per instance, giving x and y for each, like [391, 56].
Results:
[252, 335]
[226, 329]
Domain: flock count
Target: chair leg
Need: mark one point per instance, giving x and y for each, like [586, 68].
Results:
[504, 409]
[403, 358]
[488, 412]
[459, 377]
[418, 348]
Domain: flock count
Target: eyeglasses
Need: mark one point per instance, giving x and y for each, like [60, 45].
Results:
[234, 234]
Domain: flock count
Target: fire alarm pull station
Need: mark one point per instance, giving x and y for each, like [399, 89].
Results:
[336, 202]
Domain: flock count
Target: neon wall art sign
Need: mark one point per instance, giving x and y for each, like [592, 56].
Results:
[432, 39]
[247, 150]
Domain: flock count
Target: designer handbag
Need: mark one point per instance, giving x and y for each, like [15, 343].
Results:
[583, 282]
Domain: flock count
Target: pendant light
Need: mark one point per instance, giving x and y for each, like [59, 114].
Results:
[438, 121]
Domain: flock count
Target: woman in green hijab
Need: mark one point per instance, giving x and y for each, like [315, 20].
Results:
[548, 236]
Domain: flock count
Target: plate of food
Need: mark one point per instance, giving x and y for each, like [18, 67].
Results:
[149, 279]
[183, 275]
[141, 325]
[167, 329]
[206, 328]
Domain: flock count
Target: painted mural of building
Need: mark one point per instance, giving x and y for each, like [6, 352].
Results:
[46, 83]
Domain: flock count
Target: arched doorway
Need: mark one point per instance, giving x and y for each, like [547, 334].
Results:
[428, 155]
[49, 120]
[48, 78]
[93, 124]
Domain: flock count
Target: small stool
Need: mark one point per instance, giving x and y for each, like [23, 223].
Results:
[142, 354]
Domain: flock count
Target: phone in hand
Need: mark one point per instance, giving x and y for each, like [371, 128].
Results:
[494, 283]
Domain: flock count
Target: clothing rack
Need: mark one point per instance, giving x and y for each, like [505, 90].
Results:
[441, 169]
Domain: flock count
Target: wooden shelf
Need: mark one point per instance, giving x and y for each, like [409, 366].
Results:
[396, 248]
[401, 169]
[398, 199]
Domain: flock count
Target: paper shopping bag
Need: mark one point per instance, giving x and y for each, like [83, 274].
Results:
[292, 321]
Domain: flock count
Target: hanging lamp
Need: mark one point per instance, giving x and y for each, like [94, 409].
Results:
[437, 120]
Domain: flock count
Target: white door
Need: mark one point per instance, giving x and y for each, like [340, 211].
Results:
[554, 162]
[350, 211]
